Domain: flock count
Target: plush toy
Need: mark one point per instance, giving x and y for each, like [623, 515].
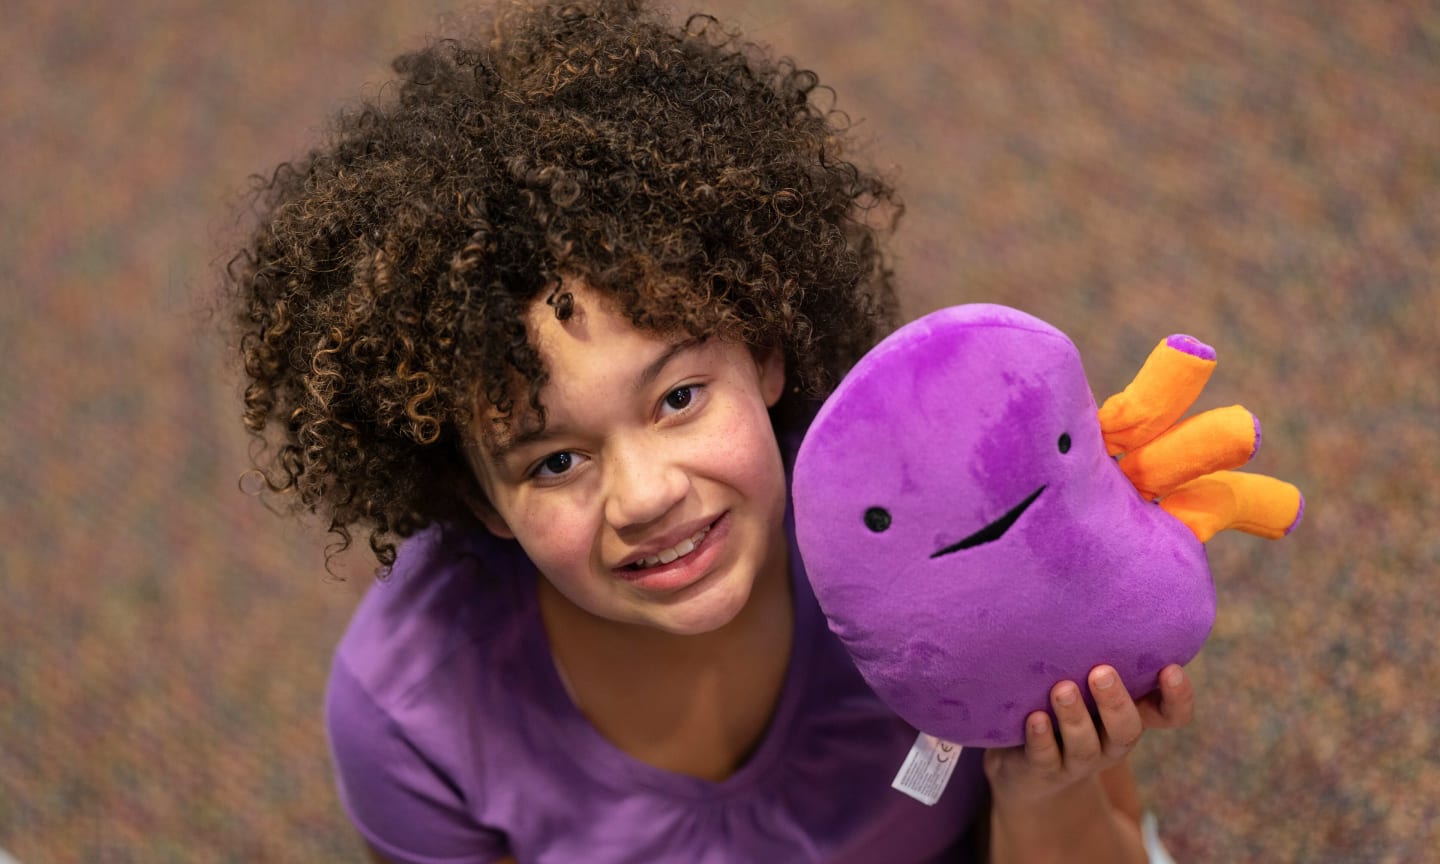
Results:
[973, 538]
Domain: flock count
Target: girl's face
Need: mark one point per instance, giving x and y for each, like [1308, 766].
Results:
[655, 493]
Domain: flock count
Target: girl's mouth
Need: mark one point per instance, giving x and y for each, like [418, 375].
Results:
[674, 553]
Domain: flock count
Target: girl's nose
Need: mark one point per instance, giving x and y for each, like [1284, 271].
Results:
[643, 486]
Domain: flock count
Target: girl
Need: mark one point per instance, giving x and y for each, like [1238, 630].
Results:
[554, 315]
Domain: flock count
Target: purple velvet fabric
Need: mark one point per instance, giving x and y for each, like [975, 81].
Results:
[1190, 345]
[454, 741]
[969, 539]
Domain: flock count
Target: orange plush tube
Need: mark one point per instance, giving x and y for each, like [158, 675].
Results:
[1185, 465]
[1164, 388]
[1212, 441]
[1253, 503]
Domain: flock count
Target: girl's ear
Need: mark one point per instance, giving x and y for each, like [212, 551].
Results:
[771, 365]
[479, 504]
[490, 518]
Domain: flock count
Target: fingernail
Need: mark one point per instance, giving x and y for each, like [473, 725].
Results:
[1174, 678]
[1038, 726]
[1104, 679]
[1067, 694]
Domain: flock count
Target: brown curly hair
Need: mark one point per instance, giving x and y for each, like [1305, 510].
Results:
[678, 170]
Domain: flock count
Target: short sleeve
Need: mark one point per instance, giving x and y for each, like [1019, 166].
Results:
[399, 802]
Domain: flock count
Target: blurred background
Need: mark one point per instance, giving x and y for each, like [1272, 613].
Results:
[1263, 176]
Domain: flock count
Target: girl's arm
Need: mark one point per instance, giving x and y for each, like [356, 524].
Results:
[1071, 797]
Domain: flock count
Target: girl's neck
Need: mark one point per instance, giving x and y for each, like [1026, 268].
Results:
[696, 705]
[573, 630]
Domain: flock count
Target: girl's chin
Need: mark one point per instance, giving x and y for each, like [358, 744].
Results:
[708, 608]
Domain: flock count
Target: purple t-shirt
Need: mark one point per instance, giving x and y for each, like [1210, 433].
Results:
[455, 741]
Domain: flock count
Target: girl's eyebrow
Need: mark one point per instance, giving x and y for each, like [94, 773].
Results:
[504, 445]
[648, 375]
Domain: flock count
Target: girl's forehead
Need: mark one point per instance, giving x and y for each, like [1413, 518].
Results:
[596, 342]
[595, 349]
[593, 352]
[576, 311]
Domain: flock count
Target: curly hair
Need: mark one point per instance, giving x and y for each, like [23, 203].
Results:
[678, 170]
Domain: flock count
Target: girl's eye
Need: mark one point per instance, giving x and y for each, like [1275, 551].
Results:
[555, 464]
[680, 398]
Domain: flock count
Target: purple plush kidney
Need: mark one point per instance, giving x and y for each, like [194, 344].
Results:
[969, 539]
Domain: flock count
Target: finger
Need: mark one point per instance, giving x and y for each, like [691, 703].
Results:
[1042, 749]
[1120, 724]
[1173, 706]
[1079, 739]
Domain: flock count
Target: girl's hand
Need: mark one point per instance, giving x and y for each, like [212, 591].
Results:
[1044, 767]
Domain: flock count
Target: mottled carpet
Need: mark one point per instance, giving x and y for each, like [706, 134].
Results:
[1264, 176]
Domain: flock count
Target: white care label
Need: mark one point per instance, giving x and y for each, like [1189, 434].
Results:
[927, 768]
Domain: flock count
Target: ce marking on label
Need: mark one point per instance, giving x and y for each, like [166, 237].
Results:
[947, 752]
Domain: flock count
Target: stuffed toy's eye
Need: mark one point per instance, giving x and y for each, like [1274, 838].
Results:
[1064, 443]
[877, 519]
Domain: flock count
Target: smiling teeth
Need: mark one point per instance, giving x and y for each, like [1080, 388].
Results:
[679, 550]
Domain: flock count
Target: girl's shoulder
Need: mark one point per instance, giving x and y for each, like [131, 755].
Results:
[454, 594]
[429, 659]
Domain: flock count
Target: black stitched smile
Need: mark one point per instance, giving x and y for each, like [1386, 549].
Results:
[995, 530]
